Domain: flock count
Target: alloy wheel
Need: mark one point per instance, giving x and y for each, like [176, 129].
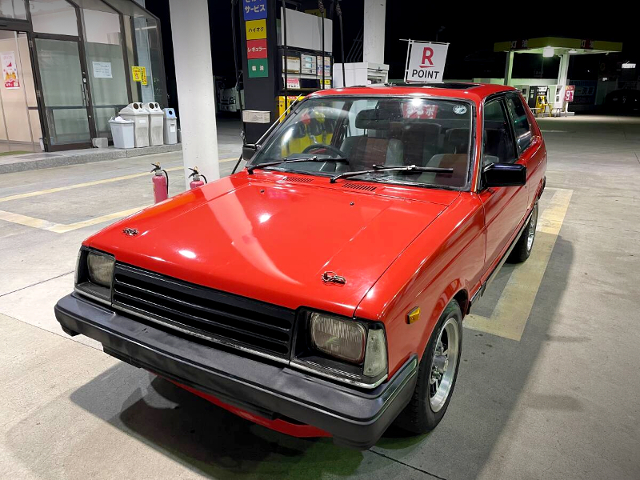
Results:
[444, 364]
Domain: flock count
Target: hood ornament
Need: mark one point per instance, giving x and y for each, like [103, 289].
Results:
[333, 277]
[132, 232]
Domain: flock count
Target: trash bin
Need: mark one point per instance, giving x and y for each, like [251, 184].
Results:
[156, 123]
[123, 132]
[135, 111]
[170, 127]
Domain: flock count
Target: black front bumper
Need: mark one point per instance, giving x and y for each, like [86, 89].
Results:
[355, 418]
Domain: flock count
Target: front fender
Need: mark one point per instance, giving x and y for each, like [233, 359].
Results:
[445, 259]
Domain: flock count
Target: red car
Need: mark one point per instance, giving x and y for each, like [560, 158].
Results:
[321, 290]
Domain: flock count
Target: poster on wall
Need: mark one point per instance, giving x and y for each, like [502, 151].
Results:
[9, 70]
[139, 74]
[102, 70]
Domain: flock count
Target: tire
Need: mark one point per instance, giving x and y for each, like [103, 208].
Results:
[426, 409]
[523, 247]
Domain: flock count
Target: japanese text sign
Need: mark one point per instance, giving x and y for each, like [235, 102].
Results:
[257, 48]
[256, 29]
[419, 109]
[258, 68]
[425, 62]
[254, 9]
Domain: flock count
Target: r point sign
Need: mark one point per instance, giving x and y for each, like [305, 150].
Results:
[425, 62]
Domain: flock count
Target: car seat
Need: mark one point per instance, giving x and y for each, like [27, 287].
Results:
[365, 151]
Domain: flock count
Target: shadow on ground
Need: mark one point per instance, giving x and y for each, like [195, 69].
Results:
[493, 374]
[213, 442]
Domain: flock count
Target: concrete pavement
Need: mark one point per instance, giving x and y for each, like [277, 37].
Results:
[560, 402]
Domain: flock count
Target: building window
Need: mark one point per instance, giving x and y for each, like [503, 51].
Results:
[14, 9]
[53, 16]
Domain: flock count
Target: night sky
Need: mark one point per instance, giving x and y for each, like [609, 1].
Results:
[471, 34]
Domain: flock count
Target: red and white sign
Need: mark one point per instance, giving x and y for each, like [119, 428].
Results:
[569, 90]
[426, 62]
[257, 48]
[419, 110]
[293, 82]
[9, 70]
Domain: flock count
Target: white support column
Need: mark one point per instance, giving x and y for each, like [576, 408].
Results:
[508, 69]
[564, 69]
[196, 93]
[375, 12]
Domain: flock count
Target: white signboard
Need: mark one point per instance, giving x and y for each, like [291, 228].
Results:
[256, 116]
[102, 70]
[425, 62]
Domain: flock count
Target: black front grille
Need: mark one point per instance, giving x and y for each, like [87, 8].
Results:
[209, 314]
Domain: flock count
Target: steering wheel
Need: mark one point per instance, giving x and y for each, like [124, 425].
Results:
[320, 146]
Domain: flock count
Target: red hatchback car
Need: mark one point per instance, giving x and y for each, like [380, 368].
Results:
[321, 290]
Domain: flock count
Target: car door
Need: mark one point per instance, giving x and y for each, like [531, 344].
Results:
[504, 207]
[528, 143]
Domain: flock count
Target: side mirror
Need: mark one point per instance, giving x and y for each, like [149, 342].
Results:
[504, 175]
[248, 151]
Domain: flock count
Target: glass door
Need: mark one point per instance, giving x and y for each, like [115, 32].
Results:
[62, 70]
[65, 95]
[19, 122]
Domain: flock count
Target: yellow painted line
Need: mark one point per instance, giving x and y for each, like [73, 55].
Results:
[95, 182]
[62, 228]
[511, 313]
[79, 185]
[25, 220]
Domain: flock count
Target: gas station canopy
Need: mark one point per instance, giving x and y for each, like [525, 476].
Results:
[559, 45]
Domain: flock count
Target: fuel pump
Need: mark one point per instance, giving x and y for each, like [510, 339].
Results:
[160, 181]
[197, 181]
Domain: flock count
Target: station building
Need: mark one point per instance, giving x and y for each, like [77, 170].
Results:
[69, 66]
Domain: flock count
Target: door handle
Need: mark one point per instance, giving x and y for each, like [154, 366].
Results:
[83, 89]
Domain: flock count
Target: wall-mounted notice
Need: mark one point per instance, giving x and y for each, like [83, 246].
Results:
[139, 74]
[9, 70]
[102, 70]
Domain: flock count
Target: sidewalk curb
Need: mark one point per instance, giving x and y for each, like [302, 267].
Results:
[90, 156]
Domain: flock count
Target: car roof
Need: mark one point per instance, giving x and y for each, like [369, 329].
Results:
[472, 91]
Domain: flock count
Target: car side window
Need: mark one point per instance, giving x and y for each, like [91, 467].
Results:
[497, 139]
[520, 122]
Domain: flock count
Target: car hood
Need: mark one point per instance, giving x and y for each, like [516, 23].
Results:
[273, 241]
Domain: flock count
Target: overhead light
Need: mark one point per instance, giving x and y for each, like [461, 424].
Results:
[547, 52]
[573, 50]
[628, 65]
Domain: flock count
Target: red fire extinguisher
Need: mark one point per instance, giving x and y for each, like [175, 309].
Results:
[160, 183]
[196, 182]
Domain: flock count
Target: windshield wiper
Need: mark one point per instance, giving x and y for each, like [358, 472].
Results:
[382, 168]
[296, 160]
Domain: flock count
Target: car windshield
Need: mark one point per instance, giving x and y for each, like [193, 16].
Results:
[341, 135]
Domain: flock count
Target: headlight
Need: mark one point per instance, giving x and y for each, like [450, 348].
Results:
[343, 339]
[94, 274]
[344, 349]
[100, 268]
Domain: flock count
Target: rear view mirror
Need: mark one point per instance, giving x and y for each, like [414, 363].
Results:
[504, 175]
[248, 151]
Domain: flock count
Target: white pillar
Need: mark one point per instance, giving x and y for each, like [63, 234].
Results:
[196, 93]
[375, 12]
[508, 68]
[564, 69]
